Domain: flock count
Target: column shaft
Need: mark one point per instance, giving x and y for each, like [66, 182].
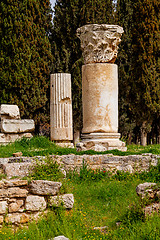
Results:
[61, 107]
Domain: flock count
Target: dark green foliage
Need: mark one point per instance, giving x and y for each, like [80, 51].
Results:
[70, 15]
[145, 84]
[138, 60]
[25, 56]
[124, 60]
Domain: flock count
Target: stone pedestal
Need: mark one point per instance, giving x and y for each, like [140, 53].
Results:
[61, 109]
[100, 87]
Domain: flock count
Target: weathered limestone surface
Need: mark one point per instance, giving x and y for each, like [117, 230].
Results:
[61, 108]
[149, 193]
[18, 205]
[17, 126]
[13, 192]
[35, 203]
[60, 238]
[17, 218]
[9, 111]
[108, 162]
[6, 138]
[100, 87]
[3, 207]
[44, 187]
[99, 42]
[13, 183]
[154, 207]
[12, 128]
[14, 169]
[100, 98]
[67, 200]
[146, 190]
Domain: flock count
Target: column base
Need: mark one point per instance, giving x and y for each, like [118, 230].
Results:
[101, 142]
[65, 144]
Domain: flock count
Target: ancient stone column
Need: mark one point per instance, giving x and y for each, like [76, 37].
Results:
[100, 87]
[61, 109]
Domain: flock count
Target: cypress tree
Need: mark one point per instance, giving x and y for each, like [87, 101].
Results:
[25, 56]
[70, 15]
[124, 18]
[145, 88]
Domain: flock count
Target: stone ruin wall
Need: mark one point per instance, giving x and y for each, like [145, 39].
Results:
[21, 201]
[20, 166]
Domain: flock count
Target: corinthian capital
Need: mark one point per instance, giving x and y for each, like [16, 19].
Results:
[99, 42]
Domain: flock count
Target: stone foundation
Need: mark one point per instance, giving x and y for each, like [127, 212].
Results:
[101, 142]
[20, 166]
[21, 201]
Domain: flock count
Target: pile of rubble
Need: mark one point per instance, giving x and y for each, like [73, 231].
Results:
[150, 193]
[12, 127]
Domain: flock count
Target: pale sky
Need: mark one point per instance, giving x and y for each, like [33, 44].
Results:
[52, 3]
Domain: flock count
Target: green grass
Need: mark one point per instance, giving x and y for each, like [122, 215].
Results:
[41, 146]
[100, 200]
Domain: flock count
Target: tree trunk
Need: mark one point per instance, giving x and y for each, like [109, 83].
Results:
[143, 134]
[143, 138]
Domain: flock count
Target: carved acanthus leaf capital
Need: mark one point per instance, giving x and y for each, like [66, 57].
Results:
[99, 42]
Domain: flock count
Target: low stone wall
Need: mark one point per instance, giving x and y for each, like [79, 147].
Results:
[21, 201]
[20, 166]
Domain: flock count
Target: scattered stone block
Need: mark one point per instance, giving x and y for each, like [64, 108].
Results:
[146, 190]
[17, 154]
[67, 200]
[17, 126]
[61, 238]
[44, 187]
[9, 111]
[155, 207]
[35, 203]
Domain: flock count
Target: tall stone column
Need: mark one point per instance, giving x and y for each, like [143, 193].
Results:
[100, 87]
[61, 109]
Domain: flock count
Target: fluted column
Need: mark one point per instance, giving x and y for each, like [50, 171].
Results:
[61, 108]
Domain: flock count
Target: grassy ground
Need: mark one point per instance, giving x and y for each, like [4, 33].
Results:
[42, 146]
[100, 200]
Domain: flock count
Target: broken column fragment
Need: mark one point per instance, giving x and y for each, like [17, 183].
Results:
[61, 109]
